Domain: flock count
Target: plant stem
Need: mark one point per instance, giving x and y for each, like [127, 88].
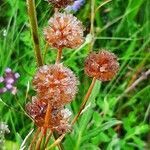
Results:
[47, 116]
[92, 32]
[56, 136]
[34, 138]
[38, 144]
[47, 139]
[57, 142]
[84, 101]
[34, 30]
[59, 54]
[45, 51]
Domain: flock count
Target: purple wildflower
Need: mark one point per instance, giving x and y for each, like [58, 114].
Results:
[8, 80]
[75, 6]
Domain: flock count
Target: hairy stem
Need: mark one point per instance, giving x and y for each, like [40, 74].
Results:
[84, 101]
[34, 30]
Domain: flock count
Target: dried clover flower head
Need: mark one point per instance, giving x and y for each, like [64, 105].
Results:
[64, 31]
[102, 65]
[37, 110]
[55, 83]
[62, 124]
[60, 3]
[58, 119]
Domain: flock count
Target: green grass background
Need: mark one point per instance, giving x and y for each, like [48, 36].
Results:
[121, 26]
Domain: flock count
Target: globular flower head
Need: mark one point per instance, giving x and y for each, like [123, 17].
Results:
[58, 119]
[55, 83]
[102, 65]
[64, 30]
[37, 110]
[60, 3]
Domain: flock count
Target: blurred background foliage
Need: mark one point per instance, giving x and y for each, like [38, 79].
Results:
[114, 119]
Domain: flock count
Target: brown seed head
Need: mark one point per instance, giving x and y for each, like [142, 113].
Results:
[102, 65]
[64, 31]
[55, 83]
[58, 119]
[60, 3]
[37, 110]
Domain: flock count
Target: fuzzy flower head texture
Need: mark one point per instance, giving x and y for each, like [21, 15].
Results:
[102, 65]
[64, 30]
[55, 83]
[37, 110]
[60, 3]
[58, 119]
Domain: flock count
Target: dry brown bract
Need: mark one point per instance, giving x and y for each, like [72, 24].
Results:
[64, 31]
[55, 83]
[60, 3]
[102, 65]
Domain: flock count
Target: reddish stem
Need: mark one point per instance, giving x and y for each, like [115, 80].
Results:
[59, 54]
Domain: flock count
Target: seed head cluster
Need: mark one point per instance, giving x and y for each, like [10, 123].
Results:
[64, 30]
[56, 85]
[58, 119]
[60, 3]
[102, 65]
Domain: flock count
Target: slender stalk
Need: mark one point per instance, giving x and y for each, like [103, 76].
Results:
[59, 54]
[47, 116]
[45, 51]
[104, 3]
[38, 144]
[57, 141]
[34, 30]
[34, 138]
[47, 139]
[56, 136]
[92, 32]
[84, 101]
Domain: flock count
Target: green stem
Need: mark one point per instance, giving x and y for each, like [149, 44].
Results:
[34, 30]
[92, 32]
[84, 101]
[59, 139]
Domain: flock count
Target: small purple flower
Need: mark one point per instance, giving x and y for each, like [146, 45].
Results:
[75, 6]
[8, 80]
